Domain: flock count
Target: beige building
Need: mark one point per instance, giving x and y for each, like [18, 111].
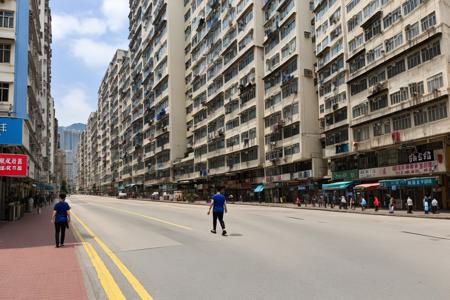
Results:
[392, 125]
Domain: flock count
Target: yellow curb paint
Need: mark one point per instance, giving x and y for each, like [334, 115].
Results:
[108, 283]
[134, 282]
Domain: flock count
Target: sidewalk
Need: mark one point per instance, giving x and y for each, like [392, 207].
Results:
[444, 215]
[30, 265]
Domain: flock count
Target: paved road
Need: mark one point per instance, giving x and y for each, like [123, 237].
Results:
[271, 253]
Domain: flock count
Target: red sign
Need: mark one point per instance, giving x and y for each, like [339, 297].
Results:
[13, 165]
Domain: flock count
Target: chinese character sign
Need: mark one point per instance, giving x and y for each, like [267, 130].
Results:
[13, 165]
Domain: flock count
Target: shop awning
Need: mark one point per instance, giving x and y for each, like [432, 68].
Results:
[411, 182]
[367, 186]
[337, 185]
[259, 188]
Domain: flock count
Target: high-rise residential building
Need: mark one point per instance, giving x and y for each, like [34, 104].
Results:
[228, 98]
[26, 105]
[391, 126]
[69, 138]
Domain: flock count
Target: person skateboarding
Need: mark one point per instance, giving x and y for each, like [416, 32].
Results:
[219, 207]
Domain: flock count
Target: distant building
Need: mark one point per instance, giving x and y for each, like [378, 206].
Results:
[69, 139]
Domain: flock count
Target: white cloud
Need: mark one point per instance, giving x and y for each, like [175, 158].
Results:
[113, 17]
[116, 13]
[65, 26]
[73, 107]
[92, 53]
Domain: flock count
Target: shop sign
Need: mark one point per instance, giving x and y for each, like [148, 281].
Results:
[302, 174]
[421, 156]
[302, 188]
[11, 131]
[278, 178]
[345, 175]
[13, 165]
[414, 182]
[403, 170]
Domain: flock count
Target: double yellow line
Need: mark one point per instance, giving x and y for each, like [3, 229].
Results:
[107, 281]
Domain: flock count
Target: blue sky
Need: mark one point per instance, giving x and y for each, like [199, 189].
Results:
[86, 33]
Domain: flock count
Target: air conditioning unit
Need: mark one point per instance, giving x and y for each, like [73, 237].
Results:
[308, 72]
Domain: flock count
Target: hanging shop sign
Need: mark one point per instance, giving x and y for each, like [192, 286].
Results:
[302, 175]
[13, 165]
[411, 169]
[345, 175]
[278, 178]
[421, 156]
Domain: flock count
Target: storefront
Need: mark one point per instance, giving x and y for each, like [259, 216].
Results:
[333, 191]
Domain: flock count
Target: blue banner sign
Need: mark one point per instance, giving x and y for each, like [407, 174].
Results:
[11, 131]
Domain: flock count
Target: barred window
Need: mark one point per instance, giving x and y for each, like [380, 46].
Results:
[402, 122]
[437, 112]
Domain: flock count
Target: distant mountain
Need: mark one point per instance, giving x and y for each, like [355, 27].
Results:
[76, 126]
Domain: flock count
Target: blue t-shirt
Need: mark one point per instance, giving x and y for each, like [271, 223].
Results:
[219, 202]
[61, 209]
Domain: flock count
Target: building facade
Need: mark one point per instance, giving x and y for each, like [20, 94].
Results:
[386, 118]
[27, 116]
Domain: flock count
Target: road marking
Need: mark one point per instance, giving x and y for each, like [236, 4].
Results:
[147, 217]
[134, 282]
[108, 283]
[426, 235]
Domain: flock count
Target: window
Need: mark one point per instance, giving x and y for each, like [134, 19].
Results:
[248, 155]
[431, 51]
[399, 96]
[248, 115]
[6, 19]
[402, 122]
[357, 63]
[392, 17]
[414, 60]
[410, 5]
[378, 102]
[416, 89]
[352, 5]
[374, 54]
[291, 150]
[286, 29]
[428, 21]
[372, 29]
[289, 89]
[394, 42]
[361, 134]
[396, 68]
[336, 137]
[5, 53]
[412, 31]
[358, 87]
[291, 130]
[420, 117]
[435, 82]
[437, 112]
[4, 92]
[360, 110]
[382, 127]
[356, 42]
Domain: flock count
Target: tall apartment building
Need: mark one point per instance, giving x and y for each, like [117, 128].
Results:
[228, 98]
[26, 105]
[392, 122]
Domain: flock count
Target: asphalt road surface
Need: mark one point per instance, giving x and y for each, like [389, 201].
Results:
[270, 253]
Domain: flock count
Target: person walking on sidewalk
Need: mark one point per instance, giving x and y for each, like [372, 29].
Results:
[410, 204]
[61, 219]
[391, 205]
[434, 206]
[298, 201]
[376, 203]
[426, 207]
[363, 203]
[219, 207]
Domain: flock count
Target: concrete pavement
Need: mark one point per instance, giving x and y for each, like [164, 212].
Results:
[271, 253]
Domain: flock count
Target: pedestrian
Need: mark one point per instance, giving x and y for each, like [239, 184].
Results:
[352, 203]
[230, 198]
[343, 202]
[376, 203]
[425, 199]
[410, 204]
[39, 203]
[434, 206]
[61, 219]
[363, 203]
[391, 205]
[426, 207]
[219, 207]
[298, 201]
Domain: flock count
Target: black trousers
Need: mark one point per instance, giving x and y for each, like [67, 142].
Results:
[218, 215]
[60, 232]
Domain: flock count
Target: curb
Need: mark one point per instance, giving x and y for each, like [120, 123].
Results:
[421, 216]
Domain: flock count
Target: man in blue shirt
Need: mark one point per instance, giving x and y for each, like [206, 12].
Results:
[219, 207]
[61, 218]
